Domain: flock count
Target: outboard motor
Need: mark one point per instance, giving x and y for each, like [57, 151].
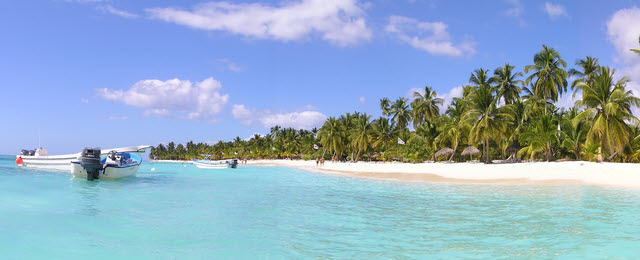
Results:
[234, 163]
[90, 161]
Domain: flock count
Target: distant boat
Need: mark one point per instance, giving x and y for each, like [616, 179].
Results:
[209, 164]
[39, 158]
[115, 165]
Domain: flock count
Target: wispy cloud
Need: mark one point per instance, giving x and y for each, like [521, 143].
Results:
[362, 100]
[297, 120]
[84, 100]
[231, 65]
[338, 22]
[200, 101]
[116, 118]
[516, 10]
[112, 10]
[555, 10]
[85, 1]
[431, 37]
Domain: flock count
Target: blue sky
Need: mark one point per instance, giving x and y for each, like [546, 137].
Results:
[117, 73]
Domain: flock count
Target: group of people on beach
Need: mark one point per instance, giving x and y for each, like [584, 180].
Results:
[319, 161]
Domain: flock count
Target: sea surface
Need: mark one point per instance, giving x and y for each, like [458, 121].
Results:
[176, 211]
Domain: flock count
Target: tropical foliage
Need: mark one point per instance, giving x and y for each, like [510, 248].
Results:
[506, 115]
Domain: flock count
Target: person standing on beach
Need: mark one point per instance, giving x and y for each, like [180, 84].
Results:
[317, 161]
[322, 162]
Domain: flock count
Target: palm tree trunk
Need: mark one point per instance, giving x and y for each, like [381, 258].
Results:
[486, 147]
[454, 152]
[548, 151]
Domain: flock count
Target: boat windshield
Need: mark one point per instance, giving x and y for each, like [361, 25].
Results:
[124, 159]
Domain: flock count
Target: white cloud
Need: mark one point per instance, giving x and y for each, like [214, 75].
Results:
[455, 92]
[567, 100]
[245, 115]
[297, 120]
[362, 100]
[173, 98]
[112, 10]
[555, 11]
[84, 100]
[253, 135]
[623, 30]
[431, 37]
[339, 22]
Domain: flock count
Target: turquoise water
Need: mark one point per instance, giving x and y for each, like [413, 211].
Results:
[177, 212]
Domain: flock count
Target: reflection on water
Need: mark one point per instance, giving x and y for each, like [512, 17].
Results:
[88, 193]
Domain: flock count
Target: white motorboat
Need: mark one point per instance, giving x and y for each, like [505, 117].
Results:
[115, 165]
[39, 158]
[220, 164]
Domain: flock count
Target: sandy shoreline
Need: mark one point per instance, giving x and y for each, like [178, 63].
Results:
[605, 174]
[578, 172]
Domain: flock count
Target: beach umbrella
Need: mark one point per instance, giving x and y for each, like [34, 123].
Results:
[444, 151]
[471, 150]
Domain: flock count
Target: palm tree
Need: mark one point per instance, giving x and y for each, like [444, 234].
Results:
[575, 134]
[480, 77]
[361, 135]
[589, 66]
[549, 78]
[636, 50]
[331, 136]
[540, 136]
[401, 113]
[385, 106]
[384, 133]
[425, 107]
[608, 106]
[508, 86]
[487, 119]
[455, 127]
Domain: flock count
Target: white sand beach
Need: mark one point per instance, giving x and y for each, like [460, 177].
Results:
[591, 173]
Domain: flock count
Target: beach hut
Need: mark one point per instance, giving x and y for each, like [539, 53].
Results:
[471, 150]
[444, 151]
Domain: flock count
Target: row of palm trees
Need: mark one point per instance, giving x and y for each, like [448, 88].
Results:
[504, 113]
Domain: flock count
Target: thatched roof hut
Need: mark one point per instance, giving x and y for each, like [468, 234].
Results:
[444, 151]
[471, 150]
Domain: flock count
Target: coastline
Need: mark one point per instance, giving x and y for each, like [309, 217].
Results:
[172, 161]
[574, 172]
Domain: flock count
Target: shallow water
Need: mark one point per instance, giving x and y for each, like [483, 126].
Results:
[270, 212]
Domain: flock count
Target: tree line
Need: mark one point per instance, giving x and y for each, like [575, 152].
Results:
[502, 114]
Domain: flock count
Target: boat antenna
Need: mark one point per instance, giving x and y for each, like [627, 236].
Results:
[39, 138]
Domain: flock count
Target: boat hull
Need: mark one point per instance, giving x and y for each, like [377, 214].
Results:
[212, 165]
[63, 162]
[109, 173]
[58, 162]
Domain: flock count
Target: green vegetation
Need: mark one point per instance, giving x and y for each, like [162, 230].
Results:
[506, 116]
